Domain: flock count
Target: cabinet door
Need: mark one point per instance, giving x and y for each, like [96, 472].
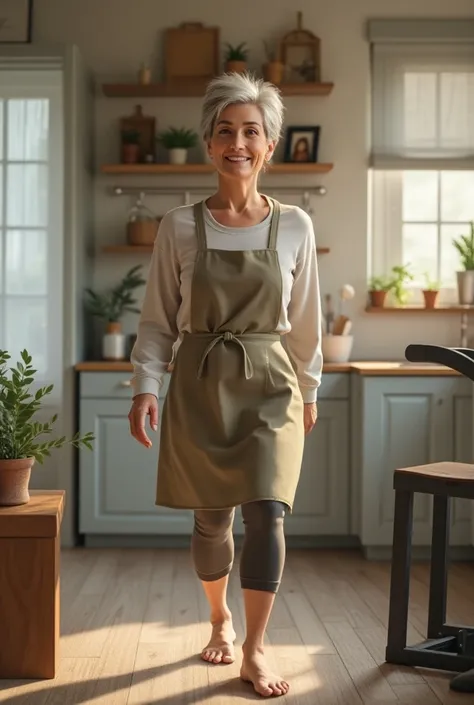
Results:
[406, 421]
[321, 505]
[117, 484]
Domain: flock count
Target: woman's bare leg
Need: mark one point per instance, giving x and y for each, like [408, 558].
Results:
[220, 648]
[258, 607]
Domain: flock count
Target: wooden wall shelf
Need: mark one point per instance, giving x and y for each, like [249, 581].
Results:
[196, 90]
[282, 168]
[128, 249]
[455, 308]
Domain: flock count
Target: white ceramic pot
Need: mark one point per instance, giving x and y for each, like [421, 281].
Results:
[337, 348]
[114, 343]
[465, 281]
[178, 156]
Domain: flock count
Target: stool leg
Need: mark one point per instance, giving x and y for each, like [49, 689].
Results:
[400, 578]
[439, 566]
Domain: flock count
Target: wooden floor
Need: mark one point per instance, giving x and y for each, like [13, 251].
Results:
[134, 620]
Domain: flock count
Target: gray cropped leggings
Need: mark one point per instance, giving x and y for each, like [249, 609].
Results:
[263, 551]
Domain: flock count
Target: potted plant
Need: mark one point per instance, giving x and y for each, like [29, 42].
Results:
[236, 58]
[401, 274]
[430, 291]
[465, 278]
[20, 446]
[177, 140]
[273, 68]
[378, 290]
[130, 146]
[111, 306]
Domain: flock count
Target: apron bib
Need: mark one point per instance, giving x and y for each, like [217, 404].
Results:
[232, 422]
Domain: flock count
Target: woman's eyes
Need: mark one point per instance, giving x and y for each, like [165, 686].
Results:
[251, 131]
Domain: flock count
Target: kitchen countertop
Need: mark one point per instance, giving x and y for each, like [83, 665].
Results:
[369, 368]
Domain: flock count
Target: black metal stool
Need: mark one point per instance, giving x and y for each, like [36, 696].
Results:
[447, 647]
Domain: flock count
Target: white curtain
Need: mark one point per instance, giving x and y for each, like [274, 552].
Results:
[422, 98]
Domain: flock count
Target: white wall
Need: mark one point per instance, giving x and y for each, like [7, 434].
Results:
[114, 36]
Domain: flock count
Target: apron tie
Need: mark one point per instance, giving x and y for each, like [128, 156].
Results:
[226, 337]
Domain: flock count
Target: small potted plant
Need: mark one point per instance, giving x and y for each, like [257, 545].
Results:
[110, 307]
[130, 146]
[465, 278]
[401, 274]
[177, 140]
[273, 68]
[20, 444]
[430, 291]
[378, 290]
[236, 58]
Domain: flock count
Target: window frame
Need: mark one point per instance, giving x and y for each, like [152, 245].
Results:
[35, 84]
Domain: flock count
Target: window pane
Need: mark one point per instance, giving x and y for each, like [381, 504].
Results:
[26, 262]
[27, 195]
[420, 195]
[450, 260]
[26, 327]
[457, 195]
[28, 122]
[419, 250]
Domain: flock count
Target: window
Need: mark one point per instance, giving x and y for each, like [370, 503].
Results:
[31, 220]
[422, 156]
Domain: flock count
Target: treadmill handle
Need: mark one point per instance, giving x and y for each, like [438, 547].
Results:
[459, 359]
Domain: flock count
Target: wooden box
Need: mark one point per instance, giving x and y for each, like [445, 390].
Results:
[191, 53]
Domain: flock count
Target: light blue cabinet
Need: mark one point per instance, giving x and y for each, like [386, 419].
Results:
[117, 481]
[398, 422]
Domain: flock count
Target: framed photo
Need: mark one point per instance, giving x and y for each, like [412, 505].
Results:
[15, 21]
[302, 143]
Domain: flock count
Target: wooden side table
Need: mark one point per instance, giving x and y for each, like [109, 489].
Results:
[29, 586]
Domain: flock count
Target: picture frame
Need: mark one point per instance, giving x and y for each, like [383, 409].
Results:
[16, 18]
[302, 144]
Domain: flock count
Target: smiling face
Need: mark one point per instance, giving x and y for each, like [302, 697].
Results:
[238, 146]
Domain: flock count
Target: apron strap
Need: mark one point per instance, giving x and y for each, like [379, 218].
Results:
[200, 226]
[272, 238]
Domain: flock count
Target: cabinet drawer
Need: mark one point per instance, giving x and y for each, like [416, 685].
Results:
[334, 385]
[111, 385]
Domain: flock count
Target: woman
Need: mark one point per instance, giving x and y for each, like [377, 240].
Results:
[229, 277]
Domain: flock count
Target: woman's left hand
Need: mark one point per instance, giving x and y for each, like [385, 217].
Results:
[310, 416]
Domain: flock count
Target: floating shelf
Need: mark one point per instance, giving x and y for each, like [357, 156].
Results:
[196, 89]
[128, 249]
[455, 308]
[282, 168]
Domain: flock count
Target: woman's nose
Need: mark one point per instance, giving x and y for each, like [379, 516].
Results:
[238, 141]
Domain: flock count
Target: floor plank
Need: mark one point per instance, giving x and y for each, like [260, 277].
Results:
[134, 621]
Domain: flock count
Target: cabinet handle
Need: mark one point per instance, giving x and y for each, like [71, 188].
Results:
[126, 383]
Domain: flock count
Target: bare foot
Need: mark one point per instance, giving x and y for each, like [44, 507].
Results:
[256, 671]
[220, 648]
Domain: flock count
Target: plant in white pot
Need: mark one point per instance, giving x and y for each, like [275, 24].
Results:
[110, 307]
[20, 446]
[177, 140]
[465, 278]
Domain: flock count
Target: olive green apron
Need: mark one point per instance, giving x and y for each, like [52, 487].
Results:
[232, 422]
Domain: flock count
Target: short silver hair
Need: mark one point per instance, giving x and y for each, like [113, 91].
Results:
[232, 88]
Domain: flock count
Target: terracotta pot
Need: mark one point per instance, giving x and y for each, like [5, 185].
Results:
[14, 481]
[430, 298]
[377, 298]
[273, 72]
[130, 153]
[236, 66]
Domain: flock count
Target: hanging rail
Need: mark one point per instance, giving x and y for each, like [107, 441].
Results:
[306, 193]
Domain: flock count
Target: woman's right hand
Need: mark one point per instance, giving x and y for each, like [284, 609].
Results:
[143, 405]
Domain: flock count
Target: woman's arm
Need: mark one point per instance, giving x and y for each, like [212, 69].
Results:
[157, 327]
[304, 315]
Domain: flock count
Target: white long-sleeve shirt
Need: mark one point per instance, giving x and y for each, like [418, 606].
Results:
[166, 309]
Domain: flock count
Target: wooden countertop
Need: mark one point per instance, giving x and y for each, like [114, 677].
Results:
[369, 368]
